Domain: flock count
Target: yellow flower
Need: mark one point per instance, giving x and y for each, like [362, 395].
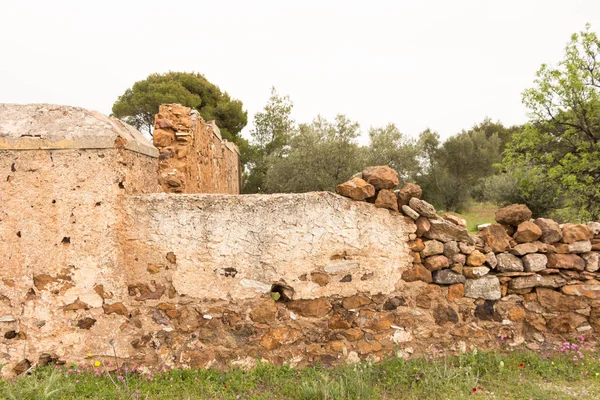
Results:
[97, 363]
[89, 354]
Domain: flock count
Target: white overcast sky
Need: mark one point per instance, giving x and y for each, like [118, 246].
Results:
[439, 64]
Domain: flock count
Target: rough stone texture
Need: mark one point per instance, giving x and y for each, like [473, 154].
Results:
[583, 246]
[193, 156]
[486, 287]
[433, 247]
[356, 188]
[435, 263]
[422, 207]
[566, 261]
[447, 277]
[496, 237]
[508, 263]
[551, 232]
[415, 216]
[524, 248]
[386, 199]
[592, 261]
[382, 177]
[446, 231]
[513, 215]
[422, 223]
[407, 192]
[476, 258]
[475, 272]
[525, 282]
[572, 233]
[534, 262]
[527, 232]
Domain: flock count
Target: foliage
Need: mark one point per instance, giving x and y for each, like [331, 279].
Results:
[562, 140]
[140, 103]
[388, 146]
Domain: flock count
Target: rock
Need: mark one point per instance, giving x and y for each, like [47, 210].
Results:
[274, 338]
[356, 301]
[531, 281]
[115, 308]
[572, 233]
[551, 232]
[314, 308]
[265, 312]
[592, 261]
[565, 323]
[447, 277]
[527, 232]
[544, 247]
[455, 220]
[393, 303]
[381, 177]
[407, 192]
[416, 245]
[524, 248]
[486, 311]
[379, 321]
[476, 259]
[459, 259]
[583, 246]
[491, 260]
[595, 244]
[508, 263]
[589, 291]
[417, 273]
[386, 199]
[451, 249]
[466, 248]
[475, 272]
[366, 347]
[411, 213]
[356, 189]
[456, 291]
[86, 323]
[566, 261]
[444, 315]
[558, 302]
[423, 208]
[435, 263]
[446, 231]
[513, 215]
[486, 287]
[319, 278]
[422, 223]
[534, 262]
[594, 227]
[496, 237]
[22, 367]
[353, 335]
[433, 247]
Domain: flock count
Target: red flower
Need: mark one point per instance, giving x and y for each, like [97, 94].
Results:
[521, 365]
[224, 386]
[474, 390]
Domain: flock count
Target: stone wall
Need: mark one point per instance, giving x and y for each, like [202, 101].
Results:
[193, 156]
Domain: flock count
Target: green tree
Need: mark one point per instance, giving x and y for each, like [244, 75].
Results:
[388, 146]
[562, 140]
[140, 103]
[273, 128]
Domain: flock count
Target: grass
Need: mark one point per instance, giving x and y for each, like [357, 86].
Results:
[478, 213]
[520, 374]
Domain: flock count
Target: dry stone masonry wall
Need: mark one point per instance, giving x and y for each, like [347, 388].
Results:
[96, 260]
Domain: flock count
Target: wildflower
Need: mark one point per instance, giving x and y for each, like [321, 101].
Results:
[501, 364]
[97, 363]
[474, 390]
[89, 354]
[224, 386]
[521, 365]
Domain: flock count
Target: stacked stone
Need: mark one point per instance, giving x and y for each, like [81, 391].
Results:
[374, 185]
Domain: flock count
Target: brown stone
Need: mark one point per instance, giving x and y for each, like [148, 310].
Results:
[566, 261]
[513, 214]
[531, 281]
[595, 244]
[527, 232]
[76, 305]
[356, 189]
[163, 138]
[444, 315]
[407, 192]
[274, 338]
[561, 248]
[42, 280]
[86, 323]
[365, 347]
[455, 220]
[264, 312]
[475, 272]
[314, 308]
[572, 233]
[171, 257]
[476, 259]
[423, 208]
[22, 367]
[386, 199]
[416, 245]
[551, 232]
[423, 226]
[417, 273]
[381, 177]
[517, 314]
[436, 263]
[115, 308]
[446, 231]
[456, 292]
[356, 301]
[380, 322]
[524, 248]
[319, 278]
[565, 323]
[589, 291]
[432, 248]
[495, 236]
[153, 269]
[536, 321]
[556, 301]
[352, 335]
[337, 322]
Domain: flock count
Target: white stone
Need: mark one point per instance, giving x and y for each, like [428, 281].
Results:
[592, 261]
[486, 287]
[534, 262]
[583, 246]
[256, 285]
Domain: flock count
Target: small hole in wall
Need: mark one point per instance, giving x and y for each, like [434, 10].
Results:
[19, 234]
[121, 185]
[66, 240]
[98, 203]
[13, 168]
[282, 292]
[53, 201]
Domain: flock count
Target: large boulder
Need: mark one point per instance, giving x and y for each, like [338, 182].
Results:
[572, 233]
[566, 261]
[423, 208]
[496, 237]
[407, 192]
[589, 291]
[508, 263]
[446, 231]
[527, 232]
[486, 287]
[356, 189]
[551, 232]
[417, 273]
[513, 215]
[381, 177]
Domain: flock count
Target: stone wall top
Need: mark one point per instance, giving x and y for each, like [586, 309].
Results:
[55, 127]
